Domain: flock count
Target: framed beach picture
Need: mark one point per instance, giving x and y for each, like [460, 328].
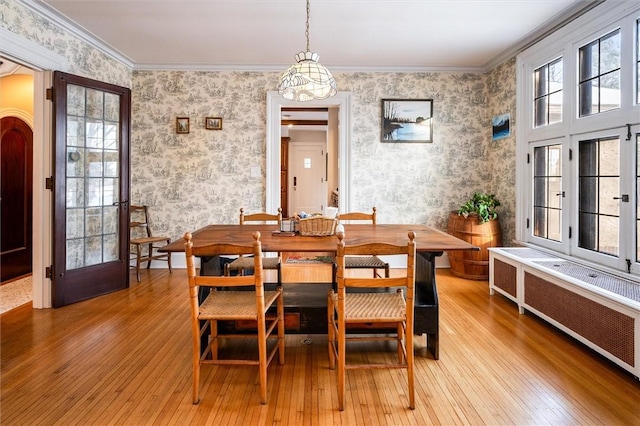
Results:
[213, 123]
[182, 124]
[407, 120]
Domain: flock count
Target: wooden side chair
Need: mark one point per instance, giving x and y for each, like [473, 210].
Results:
[364, 262]
[372, 310]
[227, 301]
[143, 243]
[241, 264]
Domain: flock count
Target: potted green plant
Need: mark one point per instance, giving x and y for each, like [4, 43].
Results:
[476, 222]
[483, 205]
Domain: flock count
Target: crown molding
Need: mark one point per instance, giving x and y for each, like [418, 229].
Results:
[76, 29]
[569, 15]
[282, 68]
[44, 10]
[30, 54]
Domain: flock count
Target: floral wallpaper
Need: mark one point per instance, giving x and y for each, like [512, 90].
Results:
[190, 180]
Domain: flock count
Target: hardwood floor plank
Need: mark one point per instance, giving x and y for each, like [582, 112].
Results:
[124, 358]
[296, 398]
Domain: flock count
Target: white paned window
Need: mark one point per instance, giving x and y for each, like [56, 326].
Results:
[547, 192]
[599, 71]
[598, 190]
[578, 131]
[547, 81]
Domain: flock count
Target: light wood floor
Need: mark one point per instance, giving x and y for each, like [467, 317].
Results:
[124, 358]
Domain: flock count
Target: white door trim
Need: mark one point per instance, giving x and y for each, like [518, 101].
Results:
[275, 102]
[42, 61]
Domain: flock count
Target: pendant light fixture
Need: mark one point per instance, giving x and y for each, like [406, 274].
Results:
[307, 79]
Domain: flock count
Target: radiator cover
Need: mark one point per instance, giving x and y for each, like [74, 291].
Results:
[607, 328]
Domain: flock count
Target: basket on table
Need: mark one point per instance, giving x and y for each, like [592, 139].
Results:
[317, 226]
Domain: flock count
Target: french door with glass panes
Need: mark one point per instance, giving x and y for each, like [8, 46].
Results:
[91, 188]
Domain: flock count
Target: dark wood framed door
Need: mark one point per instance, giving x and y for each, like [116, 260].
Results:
[91, 188]
[16, 167]
[284, 176]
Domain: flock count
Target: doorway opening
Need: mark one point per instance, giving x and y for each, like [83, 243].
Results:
[340, 105]
[38, 59]
[17, 134]
[308, 159]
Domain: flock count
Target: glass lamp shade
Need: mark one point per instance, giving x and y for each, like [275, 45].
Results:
[307, 79]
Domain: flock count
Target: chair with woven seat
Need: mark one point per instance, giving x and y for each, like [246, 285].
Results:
[143, 243]
[242, 264]
[384, 304]
[364, 262]
[229, 299]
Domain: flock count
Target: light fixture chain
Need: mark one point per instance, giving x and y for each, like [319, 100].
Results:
[307, 79]
[306, 33]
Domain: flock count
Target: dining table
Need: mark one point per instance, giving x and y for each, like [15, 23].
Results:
[430, 244]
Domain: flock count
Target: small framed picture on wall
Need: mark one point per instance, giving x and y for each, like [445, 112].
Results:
[213, 123]
[182, 124]
[501, 126]
[407, 120]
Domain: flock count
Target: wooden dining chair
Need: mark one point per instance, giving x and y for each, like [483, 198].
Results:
[144, 245]
[242, 264]
[364, 262]
[226, 301]
[374, 304]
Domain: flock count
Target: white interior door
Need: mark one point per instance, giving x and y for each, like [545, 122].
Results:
[307, 177]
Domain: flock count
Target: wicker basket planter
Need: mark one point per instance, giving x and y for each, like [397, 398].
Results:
[317, 226]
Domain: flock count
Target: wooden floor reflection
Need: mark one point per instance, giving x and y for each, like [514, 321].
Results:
[124, 358]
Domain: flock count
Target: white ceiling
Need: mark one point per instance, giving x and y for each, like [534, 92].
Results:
[399, 35]
[8, 68]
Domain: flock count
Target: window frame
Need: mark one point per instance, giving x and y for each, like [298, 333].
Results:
[598, 75]
[562, 245]
[625, 187]
[565, 43]
[547, 94]
[637, 61]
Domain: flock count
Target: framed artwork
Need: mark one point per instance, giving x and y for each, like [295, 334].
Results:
[213, 123]
[500, 126]
[182, 124]
[407, 120]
